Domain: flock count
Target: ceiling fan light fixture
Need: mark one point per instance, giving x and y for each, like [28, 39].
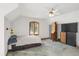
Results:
[51, 13]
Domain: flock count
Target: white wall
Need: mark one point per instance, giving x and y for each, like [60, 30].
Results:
[21, 26]
[58, 30]
[1, 35]
[13, 14]
[5, 8]
[77, 35]
[67, 18]
[6, 33]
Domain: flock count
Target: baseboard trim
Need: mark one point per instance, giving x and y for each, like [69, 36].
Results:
[45, 38]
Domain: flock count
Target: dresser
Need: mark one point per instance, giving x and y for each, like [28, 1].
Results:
[63, 37]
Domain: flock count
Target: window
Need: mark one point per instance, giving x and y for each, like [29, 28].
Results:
[33, 28]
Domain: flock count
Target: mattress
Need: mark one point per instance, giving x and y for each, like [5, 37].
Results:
[28, 40]
[22, 40]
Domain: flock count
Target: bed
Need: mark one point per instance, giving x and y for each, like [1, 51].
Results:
[25, 42]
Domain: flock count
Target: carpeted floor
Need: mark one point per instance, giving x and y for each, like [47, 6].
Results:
[48, 48]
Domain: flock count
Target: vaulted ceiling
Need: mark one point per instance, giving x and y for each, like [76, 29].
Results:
[41, 10]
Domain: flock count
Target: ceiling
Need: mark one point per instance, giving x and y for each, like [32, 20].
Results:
[41, 10]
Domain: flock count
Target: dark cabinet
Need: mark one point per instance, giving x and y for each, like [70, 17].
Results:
[71, 38]
[68, 38]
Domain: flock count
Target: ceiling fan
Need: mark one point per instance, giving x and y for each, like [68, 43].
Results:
[52, 12]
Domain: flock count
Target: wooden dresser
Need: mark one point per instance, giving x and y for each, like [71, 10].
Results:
[63, 37]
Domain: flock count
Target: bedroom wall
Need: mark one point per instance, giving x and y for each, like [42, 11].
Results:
[6, 33]
[21, 25]
[5, 8]
[1, 35]
[67, 18]
[78, 36]
[58, 30]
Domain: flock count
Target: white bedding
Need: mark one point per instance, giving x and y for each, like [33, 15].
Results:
[28, 40]
[22, 40]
